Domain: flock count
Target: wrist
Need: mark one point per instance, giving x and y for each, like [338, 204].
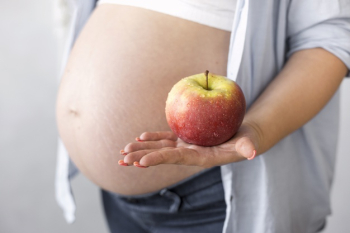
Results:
[252, 130]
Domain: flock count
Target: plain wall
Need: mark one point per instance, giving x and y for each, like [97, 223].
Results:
[28, 136]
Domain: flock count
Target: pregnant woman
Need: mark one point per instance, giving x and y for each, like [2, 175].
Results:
[120, 70]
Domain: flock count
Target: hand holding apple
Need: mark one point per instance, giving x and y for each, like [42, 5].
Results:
[204, 111]
[155, 148]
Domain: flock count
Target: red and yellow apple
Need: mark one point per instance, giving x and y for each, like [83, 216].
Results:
[205, 109]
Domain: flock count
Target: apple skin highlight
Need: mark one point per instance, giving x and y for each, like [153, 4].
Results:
[205, 117]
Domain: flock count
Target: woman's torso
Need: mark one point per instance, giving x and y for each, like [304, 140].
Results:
[120, 71]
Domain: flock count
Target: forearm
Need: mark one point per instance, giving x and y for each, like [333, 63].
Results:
[298, 93]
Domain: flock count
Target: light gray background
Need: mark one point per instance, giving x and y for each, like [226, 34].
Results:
[29, 68]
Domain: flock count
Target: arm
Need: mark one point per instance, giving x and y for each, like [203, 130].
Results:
[298, 93]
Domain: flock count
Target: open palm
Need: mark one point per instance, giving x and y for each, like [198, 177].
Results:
[154, 148]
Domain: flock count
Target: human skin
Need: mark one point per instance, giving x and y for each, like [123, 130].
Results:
[115, 85]
[314, 74]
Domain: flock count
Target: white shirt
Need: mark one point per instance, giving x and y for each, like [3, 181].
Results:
[218, 14]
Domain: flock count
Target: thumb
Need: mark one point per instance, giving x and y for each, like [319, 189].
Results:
[245, 147]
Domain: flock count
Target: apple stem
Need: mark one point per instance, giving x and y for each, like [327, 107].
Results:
[206, 75]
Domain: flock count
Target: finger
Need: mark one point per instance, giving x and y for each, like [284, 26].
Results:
[122, 152]
[136, 146]
[183, 156]
[245, 147]
[136, 156]
[155, 136]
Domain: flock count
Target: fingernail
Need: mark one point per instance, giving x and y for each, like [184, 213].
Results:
[121, 162]
[137, 164]
[138, 139]
[122, 152]
[253, 156]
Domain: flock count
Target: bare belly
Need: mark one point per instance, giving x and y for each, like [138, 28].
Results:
[119, 73]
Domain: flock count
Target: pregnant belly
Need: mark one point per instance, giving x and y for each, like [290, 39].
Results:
[115, 85]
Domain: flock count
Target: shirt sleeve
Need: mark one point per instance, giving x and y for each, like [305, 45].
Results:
[323, 24]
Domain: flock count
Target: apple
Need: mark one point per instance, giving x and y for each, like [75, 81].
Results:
[205, 109]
